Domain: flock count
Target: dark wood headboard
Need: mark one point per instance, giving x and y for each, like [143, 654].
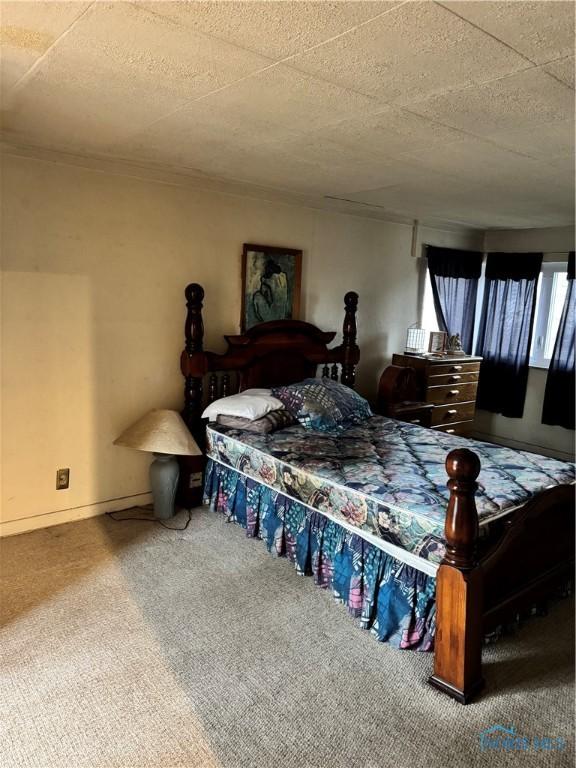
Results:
[267, 355]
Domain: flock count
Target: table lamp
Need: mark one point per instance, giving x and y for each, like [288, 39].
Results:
[164, 434]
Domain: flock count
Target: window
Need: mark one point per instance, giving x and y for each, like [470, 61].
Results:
[454, 276]
[551, 293]
[429, 319]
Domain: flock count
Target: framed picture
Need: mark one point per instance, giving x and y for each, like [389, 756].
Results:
[271, 279]
[437, 343]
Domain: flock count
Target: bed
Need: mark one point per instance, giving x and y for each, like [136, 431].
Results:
[424, 564]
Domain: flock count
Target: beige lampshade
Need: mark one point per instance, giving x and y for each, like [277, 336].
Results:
[160, 432]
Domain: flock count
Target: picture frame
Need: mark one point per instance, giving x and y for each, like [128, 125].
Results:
[271, 284]
[437, 342]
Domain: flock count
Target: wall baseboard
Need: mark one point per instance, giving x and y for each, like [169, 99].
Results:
[521, 446]
[13, 527]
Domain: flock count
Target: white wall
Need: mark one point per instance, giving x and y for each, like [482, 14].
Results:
[95, 266]
[549, 240]
[528, 432]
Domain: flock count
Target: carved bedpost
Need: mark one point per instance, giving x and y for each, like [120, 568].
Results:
[351, 350]
[194, 366]
[192, 360]
[459, 587]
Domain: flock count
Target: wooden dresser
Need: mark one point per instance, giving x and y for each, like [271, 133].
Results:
[450, 385]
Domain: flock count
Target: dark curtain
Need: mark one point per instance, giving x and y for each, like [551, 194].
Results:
[506, 331]
[560, 394]
[454, 277]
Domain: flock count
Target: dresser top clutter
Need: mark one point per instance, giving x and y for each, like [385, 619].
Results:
[448, 383]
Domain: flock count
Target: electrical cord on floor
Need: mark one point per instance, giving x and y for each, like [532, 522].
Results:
[149, 519]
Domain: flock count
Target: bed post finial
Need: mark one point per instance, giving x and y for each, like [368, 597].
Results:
[351, 350]
[461, 525]
[459, 586]
[194, 333]
[194, 329]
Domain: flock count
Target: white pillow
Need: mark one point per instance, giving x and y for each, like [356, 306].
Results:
[250, 404]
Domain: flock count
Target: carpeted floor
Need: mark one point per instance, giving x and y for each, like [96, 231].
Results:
[126, 645]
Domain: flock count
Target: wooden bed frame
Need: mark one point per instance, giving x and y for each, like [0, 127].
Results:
[267, 355]
[481, 582]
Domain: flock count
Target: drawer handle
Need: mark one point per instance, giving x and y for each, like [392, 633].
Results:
[454, 392]
[450, 431]
[456, 368]
[452, 412]
[415, 421]
[455, 378]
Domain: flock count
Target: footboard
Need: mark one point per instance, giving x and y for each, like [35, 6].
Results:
[534, 553]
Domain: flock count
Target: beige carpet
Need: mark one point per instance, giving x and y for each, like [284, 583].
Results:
[127, 645]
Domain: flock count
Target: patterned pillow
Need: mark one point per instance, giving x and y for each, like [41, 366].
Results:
[323, 404]
[268, 423]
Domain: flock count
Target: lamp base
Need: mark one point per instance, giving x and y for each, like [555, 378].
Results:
[164, 472]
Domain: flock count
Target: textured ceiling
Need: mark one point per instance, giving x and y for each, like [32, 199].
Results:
[457, 112]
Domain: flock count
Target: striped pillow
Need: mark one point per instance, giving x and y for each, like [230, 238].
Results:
[268, 423]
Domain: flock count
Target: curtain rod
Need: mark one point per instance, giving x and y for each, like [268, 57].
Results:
[540, 250]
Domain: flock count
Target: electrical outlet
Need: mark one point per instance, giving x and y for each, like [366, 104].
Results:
[62, 479]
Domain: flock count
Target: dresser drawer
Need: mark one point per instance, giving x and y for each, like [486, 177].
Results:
[413, 413]
[453, 378]
[462, 428]
[446, 368]
[451, 393]
[420, 418]
[448, 414]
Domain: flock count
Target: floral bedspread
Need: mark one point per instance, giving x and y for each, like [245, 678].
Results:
[384, 477]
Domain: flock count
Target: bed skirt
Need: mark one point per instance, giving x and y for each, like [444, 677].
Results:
[393, 600]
